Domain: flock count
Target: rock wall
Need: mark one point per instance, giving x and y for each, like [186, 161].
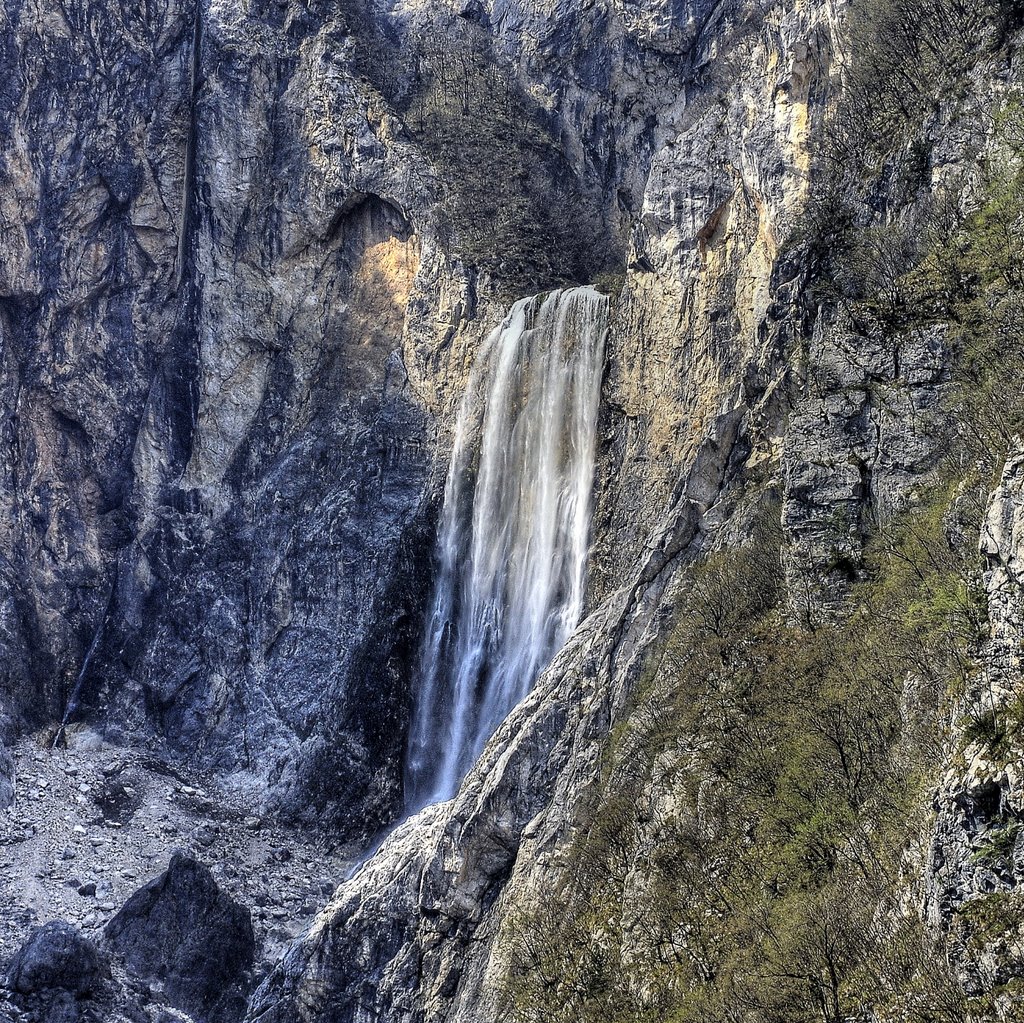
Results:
[243, 281]
[218, 458]
[232, 334]
[236, 321]
[91, 191]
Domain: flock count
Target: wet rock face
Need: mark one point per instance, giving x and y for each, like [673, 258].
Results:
[182, 933]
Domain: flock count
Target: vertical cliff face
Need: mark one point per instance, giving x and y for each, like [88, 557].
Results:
[212, 434]
[711, 303]
[285, 495]
[245, 278]
[973, 863]
[97, 117]
[240, 308]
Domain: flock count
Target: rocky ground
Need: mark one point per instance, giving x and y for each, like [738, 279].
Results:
[92, 822]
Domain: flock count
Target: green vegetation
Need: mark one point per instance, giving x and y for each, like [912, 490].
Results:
[903, 60]
[755, 810]
[752, 848]
[999, 845]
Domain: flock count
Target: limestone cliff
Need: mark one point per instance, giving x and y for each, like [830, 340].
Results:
[697, 392]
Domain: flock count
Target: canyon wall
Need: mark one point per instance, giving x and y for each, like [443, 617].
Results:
[251, 252]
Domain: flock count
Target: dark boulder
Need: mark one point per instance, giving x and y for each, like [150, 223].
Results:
[119, 796]
[183, 933]
[56, 958]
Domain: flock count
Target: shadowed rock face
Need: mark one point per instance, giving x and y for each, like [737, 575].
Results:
[90, 194]
[263, 621]
[6, 778]
[213, 466]
[182, 933]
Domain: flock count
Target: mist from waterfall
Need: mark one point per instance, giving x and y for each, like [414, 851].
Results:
[514, 531]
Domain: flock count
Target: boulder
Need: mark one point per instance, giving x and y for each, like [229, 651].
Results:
[56, 958]
[183, 934]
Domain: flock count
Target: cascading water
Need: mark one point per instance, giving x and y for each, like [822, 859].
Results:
[514, 530]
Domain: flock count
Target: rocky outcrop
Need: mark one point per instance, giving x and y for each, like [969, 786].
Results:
[280, 458]
[6, 779]
[1002, 548]
[59, 976]
[977, 853]
[872, 424]
[74, 289]
[711, 301]
[868, 433]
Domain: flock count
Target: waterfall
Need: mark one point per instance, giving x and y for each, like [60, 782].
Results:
[514, 531]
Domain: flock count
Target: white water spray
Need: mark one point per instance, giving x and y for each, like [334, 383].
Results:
[514, 531]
